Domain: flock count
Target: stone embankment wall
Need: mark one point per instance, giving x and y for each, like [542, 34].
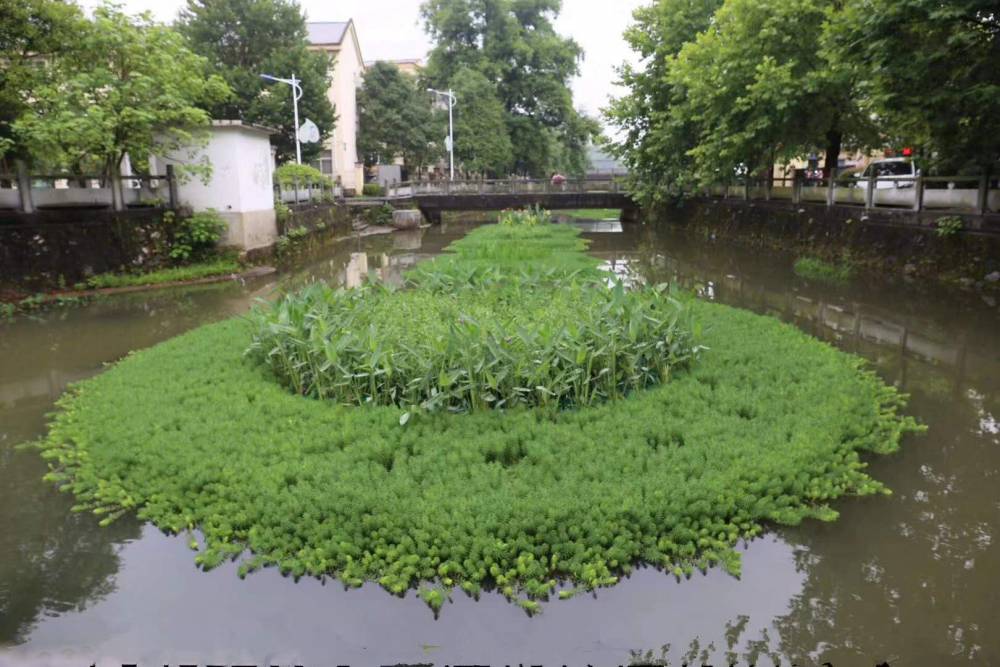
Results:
[886, 241]
[56, 248]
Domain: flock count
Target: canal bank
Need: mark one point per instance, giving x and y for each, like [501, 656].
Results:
[960, 250]
[903, 579]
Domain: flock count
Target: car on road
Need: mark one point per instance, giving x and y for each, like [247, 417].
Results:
[889, 173]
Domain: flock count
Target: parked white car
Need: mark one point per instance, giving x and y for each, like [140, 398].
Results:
[890, 173]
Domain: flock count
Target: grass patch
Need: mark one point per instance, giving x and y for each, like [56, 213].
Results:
[767, 427]
[592, 213]
[218, 267]
[812, 268]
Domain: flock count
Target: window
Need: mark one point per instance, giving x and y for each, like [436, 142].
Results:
[325, 162]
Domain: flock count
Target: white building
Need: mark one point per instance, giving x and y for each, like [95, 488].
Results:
[339, 158]
[241, 185]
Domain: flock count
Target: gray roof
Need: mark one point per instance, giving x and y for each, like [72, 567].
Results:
[327, 32]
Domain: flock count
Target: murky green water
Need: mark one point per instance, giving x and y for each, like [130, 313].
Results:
[911, 579]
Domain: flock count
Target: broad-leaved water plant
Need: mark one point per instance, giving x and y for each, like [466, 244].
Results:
[464, 337]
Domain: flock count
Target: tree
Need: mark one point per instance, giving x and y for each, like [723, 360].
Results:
[482, 144]
[734, 87]
[31, 32]
[243, 39]
[932, 71]
[395, 118]
[653, 144]
[513, 44]
[763, 89]
[129, 86]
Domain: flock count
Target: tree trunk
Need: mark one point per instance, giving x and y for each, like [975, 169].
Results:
[834, 137]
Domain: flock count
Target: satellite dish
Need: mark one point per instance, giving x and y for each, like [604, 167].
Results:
[308, 132]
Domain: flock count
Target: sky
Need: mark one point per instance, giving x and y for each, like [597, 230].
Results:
[390, 29]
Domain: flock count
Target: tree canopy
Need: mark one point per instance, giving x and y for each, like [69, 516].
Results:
[126, 86]
[243, 39]
[932, 74]
[395, 118]
[737, 86]
[30, 30]
[514, 46]
[482, 144]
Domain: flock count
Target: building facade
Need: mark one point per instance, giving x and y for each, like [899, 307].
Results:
[240, 187]
[339, 159]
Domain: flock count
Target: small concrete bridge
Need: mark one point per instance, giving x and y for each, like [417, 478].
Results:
[434, 198]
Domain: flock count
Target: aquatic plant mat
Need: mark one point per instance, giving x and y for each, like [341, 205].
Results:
[767, 426]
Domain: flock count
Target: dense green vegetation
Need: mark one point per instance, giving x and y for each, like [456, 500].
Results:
[817, 269]
[766, 427]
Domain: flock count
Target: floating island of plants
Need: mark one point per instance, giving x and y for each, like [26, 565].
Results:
[510, 421]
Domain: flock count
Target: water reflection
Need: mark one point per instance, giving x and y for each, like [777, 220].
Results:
[920, 566]
[908, 579]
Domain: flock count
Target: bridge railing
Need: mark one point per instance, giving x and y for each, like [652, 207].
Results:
[507, 186]
[961, 194]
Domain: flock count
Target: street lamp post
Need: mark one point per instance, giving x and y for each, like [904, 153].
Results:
[296, 96]
[451, 126]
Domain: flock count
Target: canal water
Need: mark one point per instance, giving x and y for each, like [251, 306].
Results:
[910, 579]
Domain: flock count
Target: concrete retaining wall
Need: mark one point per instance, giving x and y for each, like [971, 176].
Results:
[887, 241]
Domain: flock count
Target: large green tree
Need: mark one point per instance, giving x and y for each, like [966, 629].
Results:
[760, 87]
[514, 45]
[127, 86]
[482, 143]
[32, 32]
[395, 119]
[651, 142]
[739, 89]
[243, 39]
[932, 74]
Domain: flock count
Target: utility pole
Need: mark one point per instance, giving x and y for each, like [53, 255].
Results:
[296, 96]
[451, 125]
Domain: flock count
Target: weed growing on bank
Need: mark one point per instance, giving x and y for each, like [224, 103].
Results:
[812, 268]
[217, 267]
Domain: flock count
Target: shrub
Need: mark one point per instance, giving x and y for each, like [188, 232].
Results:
[196, 236]
[282, 214]
[290, 173]
[372, 190]
[378, 215]
[948, 225]
[816, 269]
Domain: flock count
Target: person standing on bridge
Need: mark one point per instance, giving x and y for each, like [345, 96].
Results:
[558, 180]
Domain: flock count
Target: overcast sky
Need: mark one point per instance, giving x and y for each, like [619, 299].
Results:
[390, 29]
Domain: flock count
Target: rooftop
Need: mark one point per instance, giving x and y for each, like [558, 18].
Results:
[327, 32]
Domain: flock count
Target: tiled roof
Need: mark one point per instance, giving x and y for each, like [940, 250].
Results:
[327, 32]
